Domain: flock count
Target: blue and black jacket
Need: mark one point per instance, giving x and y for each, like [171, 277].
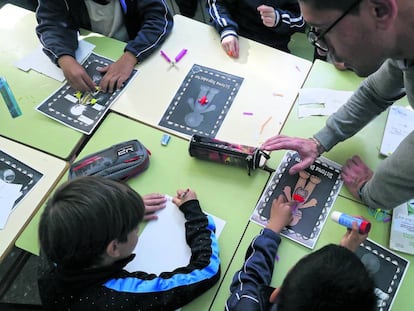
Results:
[148, 23]
[250, 290]
[113, 288]
[240, 17]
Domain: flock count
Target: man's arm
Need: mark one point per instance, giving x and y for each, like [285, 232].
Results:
[376, 94]
[221, 18]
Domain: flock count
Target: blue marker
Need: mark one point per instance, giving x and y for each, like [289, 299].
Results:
[8, 97]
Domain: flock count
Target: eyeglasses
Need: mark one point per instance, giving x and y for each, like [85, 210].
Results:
[317, 39]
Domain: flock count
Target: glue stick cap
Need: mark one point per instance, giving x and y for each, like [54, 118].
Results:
[364, 226]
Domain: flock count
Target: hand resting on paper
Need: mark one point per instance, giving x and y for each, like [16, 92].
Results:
[153, 202]
[280, 214]
[306, 147]
[75, 74]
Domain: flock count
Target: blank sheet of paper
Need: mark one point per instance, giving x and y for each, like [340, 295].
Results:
[162, 246]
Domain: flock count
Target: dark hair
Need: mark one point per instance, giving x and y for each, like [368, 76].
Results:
[340, 5]
[332, 278]
[83, 216]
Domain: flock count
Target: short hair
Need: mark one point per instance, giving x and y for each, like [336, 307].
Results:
[332, 278]
[83, 216]
[340, 5]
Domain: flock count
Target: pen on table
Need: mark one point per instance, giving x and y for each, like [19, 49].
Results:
[182, 195]
[163, 54]
[180, 55]
[9, 98]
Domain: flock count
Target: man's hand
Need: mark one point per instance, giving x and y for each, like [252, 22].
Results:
[352, 238]
[117, 73]
[268, 15]
[355, 173]
[153, 202]
[230, 44]
[75, 74]
[307, 149]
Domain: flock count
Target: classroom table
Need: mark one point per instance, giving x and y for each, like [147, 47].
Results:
[271, 81]
[366, 143]
[224, 191]
[52, 169]
[17, 34]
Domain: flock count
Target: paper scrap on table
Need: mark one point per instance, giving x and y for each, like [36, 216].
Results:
[320, 101]
[9, 193]
[162, 246]
[37, 60]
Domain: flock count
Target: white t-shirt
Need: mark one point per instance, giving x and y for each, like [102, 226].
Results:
[107, 19]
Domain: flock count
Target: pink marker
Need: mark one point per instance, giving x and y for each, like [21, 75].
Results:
[163, 54]
[180, 55]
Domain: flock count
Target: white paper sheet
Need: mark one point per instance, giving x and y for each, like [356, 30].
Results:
[320, 101]
[162, 246]
[9, 193]
[37, 60]
[400, 123]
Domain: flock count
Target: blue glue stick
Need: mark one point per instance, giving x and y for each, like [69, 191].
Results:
[8, 97]
[346, 220]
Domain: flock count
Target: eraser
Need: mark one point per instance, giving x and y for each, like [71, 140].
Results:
[165, 139]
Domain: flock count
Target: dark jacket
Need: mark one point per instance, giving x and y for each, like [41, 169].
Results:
[250, 290]
[113, 288]
[148, 23]
[240, 17]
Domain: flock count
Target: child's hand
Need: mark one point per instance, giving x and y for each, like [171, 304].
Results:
[230, 44]
[184, 196]
[75, 74]
[268, 15]
[352, 238]
[153, 202]
[280, 214]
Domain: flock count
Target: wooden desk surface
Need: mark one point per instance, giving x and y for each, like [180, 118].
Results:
[51, 168]
[18, 37]
[266, 72]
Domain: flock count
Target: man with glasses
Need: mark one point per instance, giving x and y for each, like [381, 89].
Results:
[374, 38]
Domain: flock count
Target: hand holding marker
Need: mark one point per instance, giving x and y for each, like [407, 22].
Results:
[346, 220]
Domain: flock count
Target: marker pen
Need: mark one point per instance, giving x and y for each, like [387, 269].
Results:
[163, 54]
[8, 97]
[297, 198]
[346, 220]
[180, 55]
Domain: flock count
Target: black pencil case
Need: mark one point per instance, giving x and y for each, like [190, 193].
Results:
[118, 162]
[211, 149]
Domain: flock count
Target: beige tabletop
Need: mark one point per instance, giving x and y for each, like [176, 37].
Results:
[52, 170]
[271, 82]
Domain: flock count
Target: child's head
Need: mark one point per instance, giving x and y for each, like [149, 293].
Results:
[332, 278]
[85, 217]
